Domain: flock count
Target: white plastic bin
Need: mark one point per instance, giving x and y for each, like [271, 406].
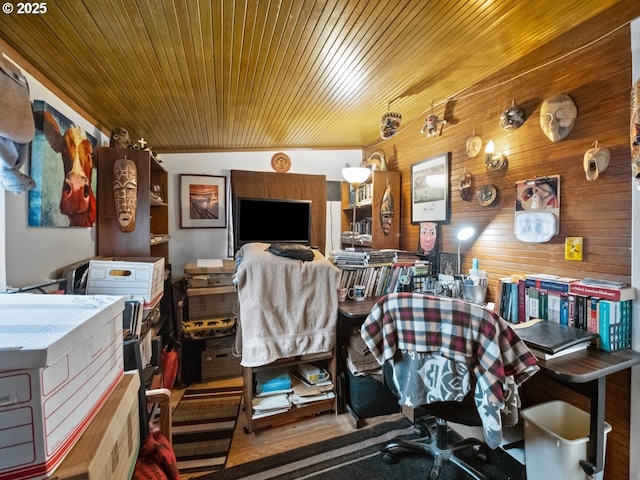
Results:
[556, 435]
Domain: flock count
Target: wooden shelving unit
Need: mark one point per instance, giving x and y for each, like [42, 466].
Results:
[295, 412]
[370, 208]
[150, 238]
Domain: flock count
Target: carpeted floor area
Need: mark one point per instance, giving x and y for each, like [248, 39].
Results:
[203, 425]
[357, 456]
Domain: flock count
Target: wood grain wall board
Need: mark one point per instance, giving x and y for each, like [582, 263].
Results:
[294, 186]
[598, 78]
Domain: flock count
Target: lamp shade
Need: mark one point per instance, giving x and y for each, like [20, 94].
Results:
[465, 233]
[356, 175]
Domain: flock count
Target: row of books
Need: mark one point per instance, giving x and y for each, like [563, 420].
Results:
[365, 194]
[363, 258]
[587, 304]
[385, 279]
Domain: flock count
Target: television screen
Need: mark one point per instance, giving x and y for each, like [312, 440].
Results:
[272, 220]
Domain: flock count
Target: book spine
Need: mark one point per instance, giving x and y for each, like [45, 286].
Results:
[607, 293]
[564, 311]
[606, 317]
[592, 325]
[514, 303]
[522, 299]
[534, 304]
[553, 307]
[581, 311]
[571, 312]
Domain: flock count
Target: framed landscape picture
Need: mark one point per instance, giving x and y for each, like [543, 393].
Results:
[430, 189]
[202, 201]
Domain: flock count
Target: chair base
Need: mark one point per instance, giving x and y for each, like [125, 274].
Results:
[436, 446]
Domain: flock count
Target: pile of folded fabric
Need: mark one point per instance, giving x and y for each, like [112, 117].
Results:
[360, 360]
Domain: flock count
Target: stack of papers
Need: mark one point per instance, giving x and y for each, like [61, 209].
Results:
[270, 405]
[278, 389]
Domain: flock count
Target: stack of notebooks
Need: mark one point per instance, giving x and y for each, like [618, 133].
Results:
[548, 340]
[279, 389]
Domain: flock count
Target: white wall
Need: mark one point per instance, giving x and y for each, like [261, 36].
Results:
[190, 244]
[31, 255]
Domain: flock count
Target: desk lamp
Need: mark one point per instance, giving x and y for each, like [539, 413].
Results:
[355, 176]
[464, 234]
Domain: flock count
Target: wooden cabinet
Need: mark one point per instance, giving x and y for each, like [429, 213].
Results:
[368, 212]
[150, 237]
[293, 186]
[328, 361]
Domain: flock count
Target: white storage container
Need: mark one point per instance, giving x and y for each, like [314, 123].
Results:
[556, 435]
[137, 278]
[60, 360]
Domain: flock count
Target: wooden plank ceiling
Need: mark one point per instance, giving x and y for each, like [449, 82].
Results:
[196, 75]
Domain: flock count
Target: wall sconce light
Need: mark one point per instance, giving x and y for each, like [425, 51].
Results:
[463, 235]
[355, 176]
[494, 161]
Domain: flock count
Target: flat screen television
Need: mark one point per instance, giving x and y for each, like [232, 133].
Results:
[272, 220]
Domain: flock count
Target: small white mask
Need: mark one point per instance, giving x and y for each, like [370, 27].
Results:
[558, 116]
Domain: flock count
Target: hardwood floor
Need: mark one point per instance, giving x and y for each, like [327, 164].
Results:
[278, 439]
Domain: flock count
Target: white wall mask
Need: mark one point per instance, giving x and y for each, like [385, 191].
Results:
[558, 116]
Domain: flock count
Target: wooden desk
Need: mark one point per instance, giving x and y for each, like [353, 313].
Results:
[351, 315]
[585, 372]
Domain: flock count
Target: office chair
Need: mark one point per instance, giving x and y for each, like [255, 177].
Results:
[457, 361]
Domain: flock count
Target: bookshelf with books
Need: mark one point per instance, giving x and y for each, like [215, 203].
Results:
[382, 271]
[367, 231]
[600, 307]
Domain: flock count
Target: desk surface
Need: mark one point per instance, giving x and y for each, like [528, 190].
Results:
[354, 309]
[577, 367]
[590, 364]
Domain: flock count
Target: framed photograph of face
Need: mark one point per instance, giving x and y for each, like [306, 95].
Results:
[447, 264]
[203, 201]
[430, 189]
[428, 238]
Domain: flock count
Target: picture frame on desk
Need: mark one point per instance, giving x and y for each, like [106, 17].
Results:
[203, 202]
[447, 264]
[430, 189]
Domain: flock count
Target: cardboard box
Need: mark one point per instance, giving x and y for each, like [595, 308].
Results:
[138, 278]
[218, 360]
[109, 446]
[60, 360]
[207, 275]
[212, 302]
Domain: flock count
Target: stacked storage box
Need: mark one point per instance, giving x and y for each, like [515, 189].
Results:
[136, 278]
[109, 447]
[60, 360]
[212, 306]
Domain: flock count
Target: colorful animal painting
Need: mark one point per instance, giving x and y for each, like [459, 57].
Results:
[62, 166]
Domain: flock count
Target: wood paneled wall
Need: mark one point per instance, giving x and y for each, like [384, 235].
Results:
[598, 78]
[293, 186]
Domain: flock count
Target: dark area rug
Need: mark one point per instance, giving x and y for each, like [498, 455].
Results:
[356, 456]
[203, 424]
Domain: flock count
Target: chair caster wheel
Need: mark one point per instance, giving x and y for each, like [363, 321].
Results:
[246, 431]
[483, 453]
[389, 457]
